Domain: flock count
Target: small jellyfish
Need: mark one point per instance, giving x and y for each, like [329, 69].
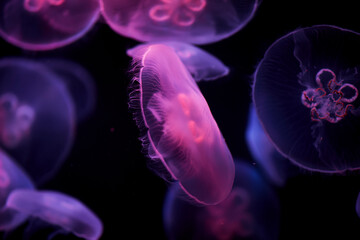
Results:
[192, 21]
[251, 211]
[201, 65]
[276, 167]
[37, 117]
[57, 209]
[180, 135]
[46, 24]
[11, 177]
[306, 97]
[357, 207]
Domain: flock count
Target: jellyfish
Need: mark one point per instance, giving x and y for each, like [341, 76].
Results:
[46, 24]
[37, 117]
[276, 167]
[251, 211]
[180, 136]
[191, 21]
[11, 177]
[306, 97]
[201, 65]
[57, 209]
[357, 207]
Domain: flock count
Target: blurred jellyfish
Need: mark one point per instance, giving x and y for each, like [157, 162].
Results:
[306, 96]
[201, 65]
[57, 209]
[37, 118]
[357, 207]
[192, 21]
[78, 82]
[11, 177]
[180, 135]
[276, 167]
[46, 24]
[251, 211]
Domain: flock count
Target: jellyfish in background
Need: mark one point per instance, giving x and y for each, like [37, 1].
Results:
[201, 65]
[46, 24]
[180, 135]
[276, 167]
[357, 207]
[306, 97]
[192, 21]
[251, 211]
[57, 209]
[37, 117]
[11, 177]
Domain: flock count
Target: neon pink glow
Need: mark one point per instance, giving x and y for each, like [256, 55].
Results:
[46, 24]
[181, 133]
[330, 100]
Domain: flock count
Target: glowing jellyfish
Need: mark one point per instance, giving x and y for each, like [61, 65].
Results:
[181, 137]
[46, 24]
[251, 211]
[201, 65]
[306, 96]
[11, 177]
[57, 209]
[192, 21]
[37, 119]
[276, 167]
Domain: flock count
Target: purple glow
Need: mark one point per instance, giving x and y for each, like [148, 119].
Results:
[58, 209]
[46, 24]
[180, 133]
[306, 96]
[251, 211]
[201, 65]
[34, 108]
[192, 21]
[11, 177]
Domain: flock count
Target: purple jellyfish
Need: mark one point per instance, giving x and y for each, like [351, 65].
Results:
[46, 24]
[201, 65]
[192, 21]
[357, 207]
[276, 167]
[57, 209]
[11, 177]
[180, 135]
[306, 97]
[37, 118]
[251, 211]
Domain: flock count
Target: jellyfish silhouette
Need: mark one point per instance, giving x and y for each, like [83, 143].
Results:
[306, 97]
[251, 211]
[37, 117]
[201, 65]
[11, 177]
[180, 136]
[276, 167]
[46, 24]
[192, 21]
[57, 209]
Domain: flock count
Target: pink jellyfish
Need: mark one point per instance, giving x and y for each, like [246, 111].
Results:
[192, 21]
[180, 135]
[11, 177]
[58, 209]
[46, 24]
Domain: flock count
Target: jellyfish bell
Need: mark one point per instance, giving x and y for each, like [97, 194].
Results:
[57, 209]
[11, 177]
[306, 97]
[201, 65]
[37, 117]
[46, 24]
[251, 211]
[179, 133]
[275, 166]
[192, 21]
[78, 82]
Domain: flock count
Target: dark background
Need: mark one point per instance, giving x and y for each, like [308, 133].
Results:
[107, 171]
